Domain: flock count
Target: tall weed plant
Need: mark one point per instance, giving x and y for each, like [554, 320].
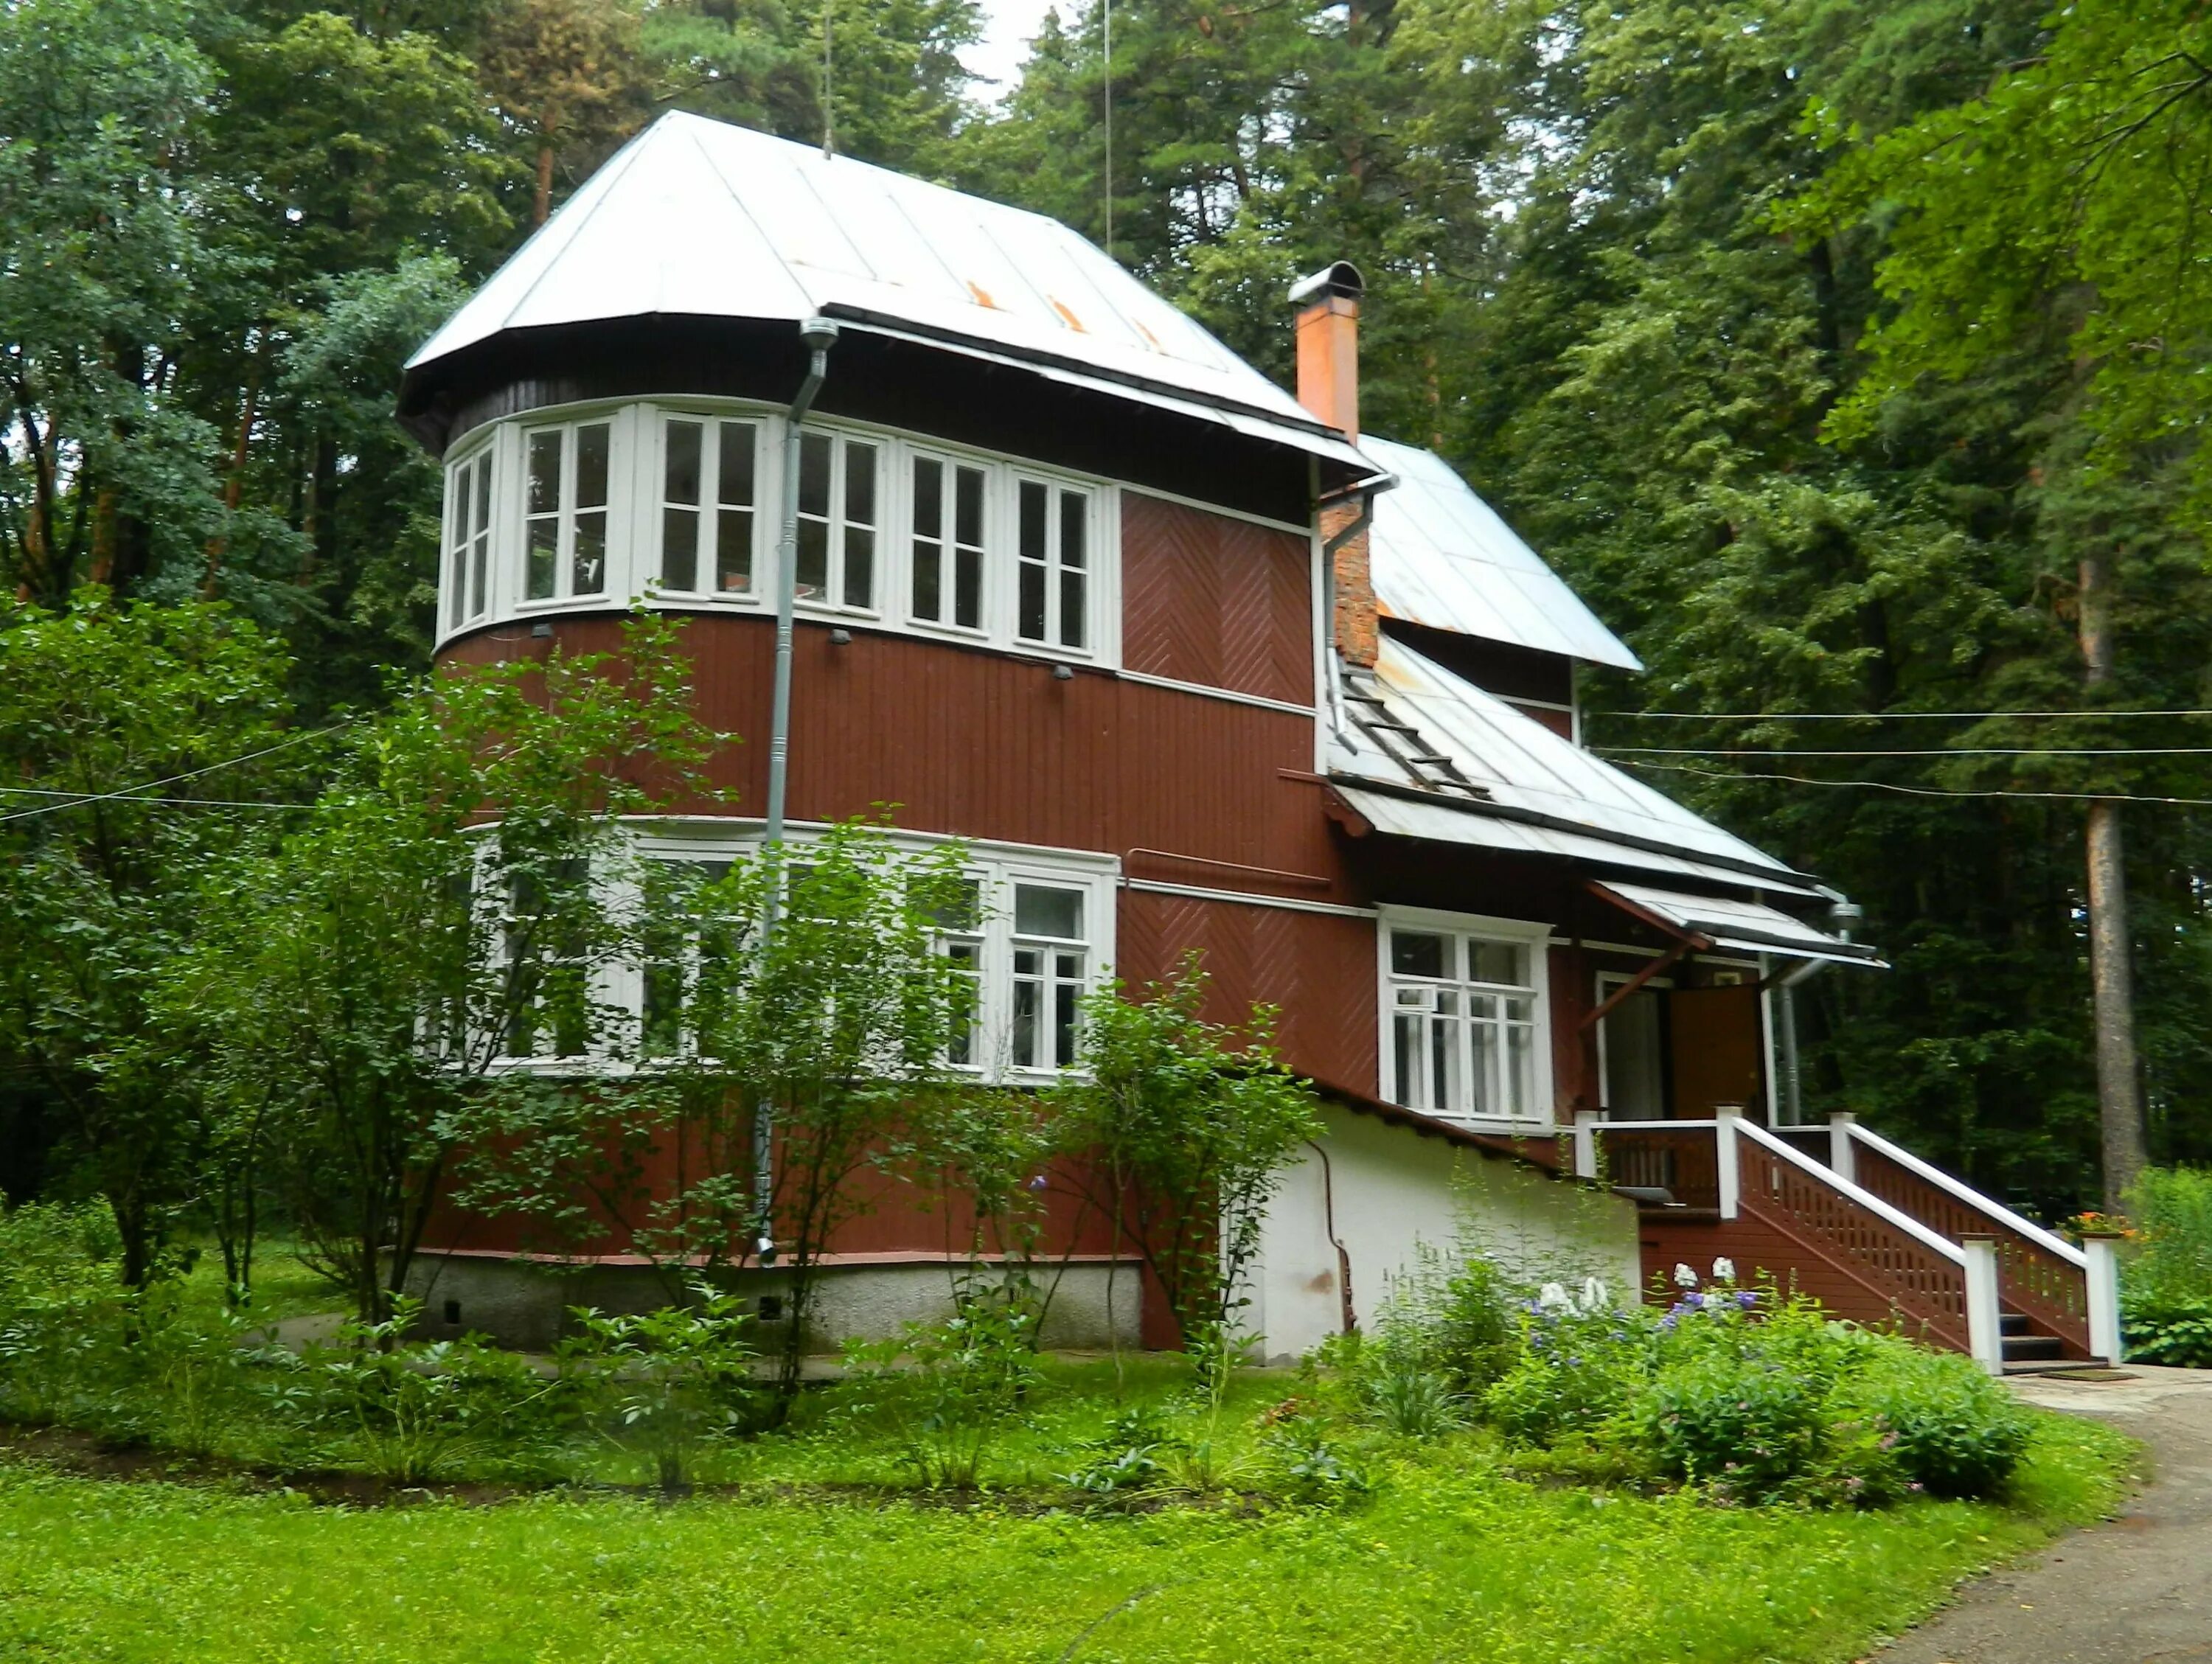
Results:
[2166, 1285]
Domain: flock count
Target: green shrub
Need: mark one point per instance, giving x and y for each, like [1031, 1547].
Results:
[1952, 1429]
[439, 1410]
[951, 1388]
[1413, 1402]
[669, 1378]
[1748, 1427]
[1579, 1365]
[2171, 1207]
[2166, 1327]
[1452, 1317]
[1126, 1457]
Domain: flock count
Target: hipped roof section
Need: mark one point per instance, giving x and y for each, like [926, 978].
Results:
[696, 218]
[1527, 788]
[1443, 557]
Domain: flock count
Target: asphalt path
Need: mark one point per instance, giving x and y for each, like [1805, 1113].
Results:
[2136, 1589]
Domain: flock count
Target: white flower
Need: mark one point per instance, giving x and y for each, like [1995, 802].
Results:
[1594, 1297]
[1552, 1297]
[1724, 1270]
[1684, 1276]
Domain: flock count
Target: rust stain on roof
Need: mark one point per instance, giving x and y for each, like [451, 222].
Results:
[982, 295]
[1068, 317]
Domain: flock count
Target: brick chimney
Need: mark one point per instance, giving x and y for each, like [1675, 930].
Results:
[1328, 387]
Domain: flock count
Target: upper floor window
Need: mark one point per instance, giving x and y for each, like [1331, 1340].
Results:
[949, 511]
[682, 502]
[706, 505]
[836, 565]
[468, 540]
[565, 510]
[1053, 596]
[1464, 1019]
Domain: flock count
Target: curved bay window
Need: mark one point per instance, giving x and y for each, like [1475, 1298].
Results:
[1464, 1020]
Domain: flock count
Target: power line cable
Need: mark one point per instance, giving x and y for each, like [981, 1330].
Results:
[193, 803]
[1923, 791]
[137, 792]
[1872, 716]
[1940, 751]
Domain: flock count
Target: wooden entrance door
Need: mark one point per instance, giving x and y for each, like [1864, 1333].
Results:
[1714, 1050]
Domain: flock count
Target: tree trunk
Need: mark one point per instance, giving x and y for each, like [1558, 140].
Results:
[2111, 984]
[543, 206]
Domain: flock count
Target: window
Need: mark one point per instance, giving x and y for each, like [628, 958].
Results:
[1052, 600]
[688, 951]
[549, 1005]
[1047, 976]
[707, 482]
[1028, 946]
[836, 565]
[565, 510]
[948, 543]
[1464, 1014]
[468, 540]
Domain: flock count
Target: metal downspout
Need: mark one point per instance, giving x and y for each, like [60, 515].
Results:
[1843, 912]
[819, 335]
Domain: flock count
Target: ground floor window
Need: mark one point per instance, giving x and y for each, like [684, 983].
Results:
[1464, 1017]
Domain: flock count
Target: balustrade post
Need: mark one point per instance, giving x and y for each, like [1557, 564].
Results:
[1843, 1158]
[2102, 1249]
[1984, 1312]
[1586, 1122]
[1725, 1116]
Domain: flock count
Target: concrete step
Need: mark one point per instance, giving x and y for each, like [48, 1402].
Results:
[2033, 1348]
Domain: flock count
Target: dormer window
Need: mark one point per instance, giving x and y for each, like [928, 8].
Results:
[708, 475]
[838, 521]
[565, 510]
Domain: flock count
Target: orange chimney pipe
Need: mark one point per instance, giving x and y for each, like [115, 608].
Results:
[1328, 345]
[1328, 387]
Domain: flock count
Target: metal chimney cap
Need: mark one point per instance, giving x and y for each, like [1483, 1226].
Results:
[818, 334]
[1339, 279]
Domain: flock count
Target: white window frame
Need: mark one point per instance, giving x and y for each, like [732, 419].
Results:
[838, 526]
[989, 551]
[637, 476]
[997, 869]
[649, 543]
[1534, 939]
[1053, 569]
[469, 571]
[617, 511]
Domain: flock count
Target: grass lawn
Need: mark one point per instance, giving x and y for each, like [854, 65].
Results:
[1450, 1559]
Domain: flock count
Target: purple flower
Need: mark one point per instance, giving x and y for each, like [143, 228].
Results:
[1746, 1298]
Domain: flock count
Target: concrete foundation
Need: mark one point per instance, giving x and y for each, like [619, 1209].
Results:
[527, 1304]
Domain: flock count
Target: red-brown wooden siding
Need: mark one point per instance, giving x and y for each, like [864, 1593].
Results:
[1318, 970]
[1217, 601]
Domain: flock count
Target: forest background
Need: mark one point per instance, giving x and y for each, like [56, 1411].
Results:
[1849, 357]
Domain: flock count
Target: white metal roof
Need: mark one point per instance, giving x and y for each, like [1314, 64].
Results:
[697, 218]
[1733, 923]
[1440, 821]
[1522, 764]
[1443, 557]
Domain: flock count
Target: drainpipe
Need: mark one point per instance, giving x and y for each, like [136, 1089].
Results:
[1843, 913]
[1347, 1314]
[818, 335]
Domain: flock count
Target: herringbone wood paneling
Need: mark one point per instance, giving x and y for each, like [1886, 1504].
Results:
[1217, 601]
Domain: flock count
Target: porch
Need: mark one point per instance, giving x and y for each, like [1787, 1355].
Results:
[1863, 1225]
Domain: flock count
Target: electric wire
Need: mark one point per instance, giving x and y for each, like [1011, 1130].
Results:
[1940, 751]
[137, 792]
[1922, 791]
[1874, 716]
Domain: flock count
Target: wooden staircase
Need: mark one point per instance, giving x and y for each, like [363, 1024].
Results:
[1863, 1225]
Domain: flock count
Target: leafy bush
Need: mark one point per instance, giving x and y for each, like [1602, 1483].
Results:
[1411, 1401]
[670, 1378]
[1309, 1469]
[1453, 1318]
[2166, 1291]
[1126, 1457]
[1746, 1426]
[62, 1313]
[2166, 1327]
[950, 1388]
[1953, 1431]
[446, 1409]
[1579, 1364]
